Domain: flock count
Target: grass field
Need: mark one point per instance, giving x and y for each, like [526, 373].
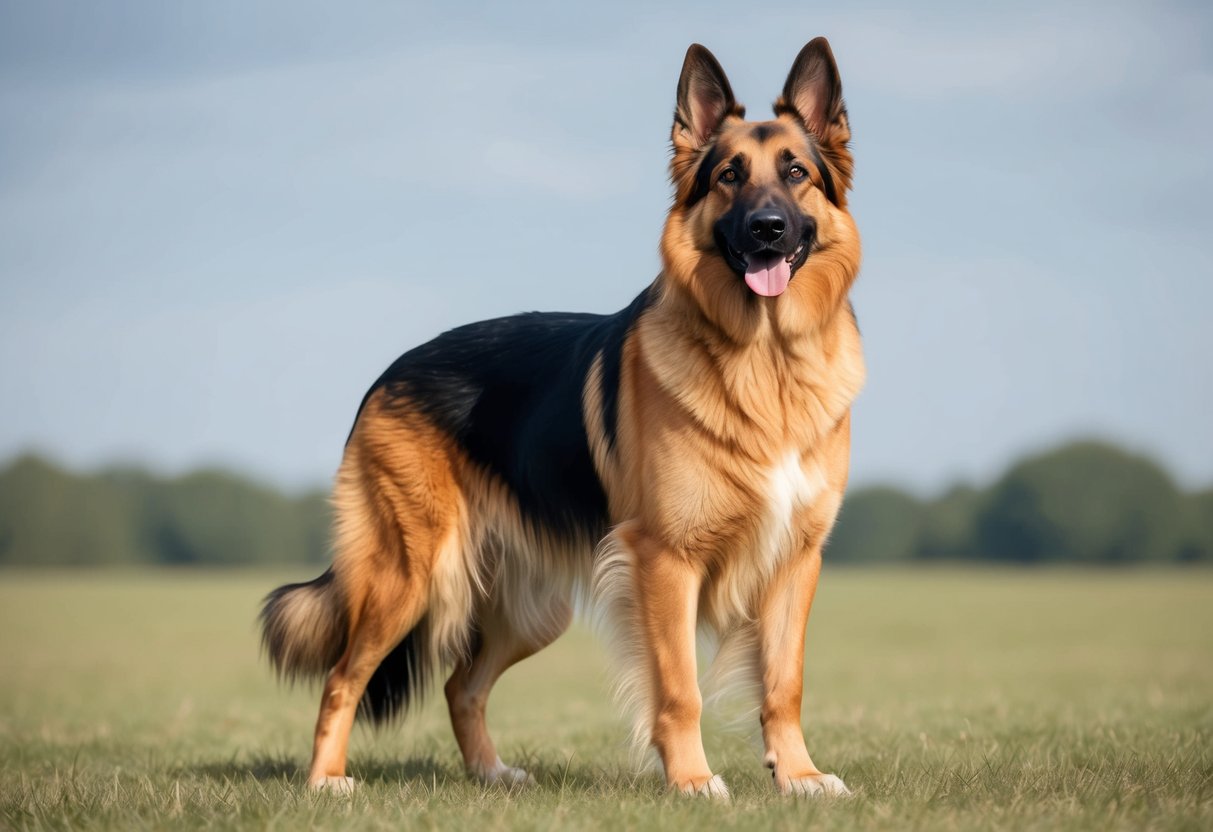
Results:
[945, 699]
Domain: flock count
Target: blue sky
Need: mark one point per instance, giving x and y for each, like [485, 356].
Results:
[220, 221]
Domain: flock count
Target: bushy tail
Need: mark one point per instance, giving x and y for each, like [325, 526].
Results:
[304, 629]
[304, 626]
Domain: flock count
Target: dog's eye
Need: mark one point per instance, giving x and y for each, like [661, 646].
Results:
[728, 175]
[796, 173]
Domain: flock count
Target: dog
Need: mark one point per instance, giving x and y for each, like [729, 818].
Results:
[681, 462]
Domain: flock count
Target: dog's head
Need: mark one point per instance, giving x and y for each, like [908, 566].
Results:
[757, 202]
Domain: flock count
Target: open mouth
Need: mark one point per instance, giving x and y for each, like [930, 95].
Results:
[767, 272]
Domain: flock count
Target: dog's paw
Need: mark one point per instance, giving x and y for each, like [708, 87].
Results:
[712, 788]
[814, 785]
[499, 774]
[332, 785]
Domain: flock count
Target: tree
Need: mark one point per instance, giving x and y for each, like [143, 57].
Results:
[49, 516]
[876, 525]
[1087, 502]
[1198, 541]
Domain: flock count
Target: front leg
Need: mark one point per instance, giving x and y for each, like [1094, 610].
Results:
[781, 629]
[667, 589]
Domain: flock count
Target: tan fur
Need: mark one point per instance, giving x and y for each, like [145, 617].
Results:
[723, 481]
[400, 543]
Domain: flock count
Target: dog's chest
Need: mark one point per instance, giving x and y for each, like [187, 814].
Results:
[792, 484]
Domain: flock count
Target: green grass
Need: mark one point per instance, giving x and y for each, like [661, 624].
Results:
[945, 699]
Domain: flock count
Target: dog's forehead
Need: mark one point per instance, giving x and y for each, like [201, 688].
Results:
[758, 138]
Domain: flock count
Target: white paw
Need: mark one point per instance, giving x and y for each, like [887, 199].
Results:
[816, 784]
[333, 785]
[713, 788]
[501, 774]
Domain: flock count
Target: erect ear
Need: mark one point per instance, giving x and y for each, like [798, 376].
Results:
[813, 90]
[705, 99]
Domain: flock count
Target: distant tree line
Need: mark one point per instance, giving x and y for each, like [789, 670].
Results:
[1087, 502]
[49, 516]
[1084, 503]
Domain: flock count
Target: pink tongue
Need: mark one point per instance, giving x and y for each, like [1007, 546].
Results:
[768, 277]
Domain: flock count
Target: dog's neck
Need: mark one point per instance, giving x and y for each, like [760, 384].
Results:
[718, 310]
[796, 380]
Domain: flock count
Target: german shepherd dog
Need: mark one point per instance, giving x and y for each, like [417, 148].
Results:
[681, 461]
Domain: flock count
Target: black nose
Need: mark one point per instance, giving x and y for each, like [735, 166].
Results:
[767, 226]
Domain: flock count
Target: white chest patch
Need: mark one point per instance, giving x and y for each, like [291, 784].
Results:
[790, 487]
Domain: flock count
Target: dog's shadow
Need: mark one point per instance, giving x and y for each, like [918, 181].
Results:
[266, 768]
[263, 768]
[427, 773]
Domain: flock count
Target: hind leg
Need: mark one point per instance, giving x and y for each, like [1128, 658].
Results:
[387, 615]
[398, 519]
[502, 644]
